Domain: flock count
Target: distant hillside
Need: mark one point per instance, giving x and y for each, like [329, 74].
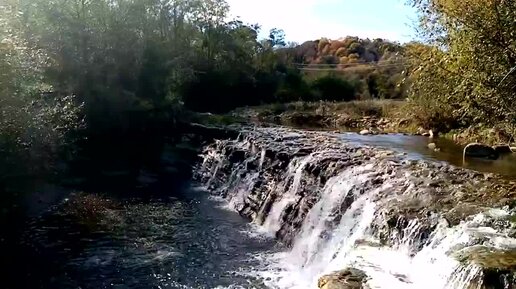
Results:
[346, 51]
[376, 66]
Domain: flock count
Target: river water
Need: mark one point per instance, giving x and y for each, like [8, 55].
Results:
[416, 147]
[189, 241]
[192, 240]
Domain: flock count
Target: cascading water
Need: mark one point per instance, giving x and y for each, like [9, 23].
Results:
[339, 207]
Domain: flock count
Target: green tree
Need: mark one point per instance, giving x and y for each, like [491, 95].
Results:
[468, 63]
[33, 124]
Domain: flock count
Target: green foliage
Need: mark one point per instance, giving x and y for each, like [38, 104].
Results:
[129, 67]
[465, 70]
[333, 88]
[34, 125]
[377, 67]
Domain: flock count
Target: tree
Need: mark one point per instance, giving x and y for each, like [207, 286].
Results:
[469, 58]
[33, 125]
[277, 38]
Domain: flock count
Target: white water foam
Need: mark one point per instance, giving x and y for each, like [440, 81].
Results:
[273, 221]
[323, 247]
[334, 237]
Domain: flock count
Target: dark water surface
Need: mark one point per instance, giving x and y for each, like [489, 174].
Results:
[182, 242]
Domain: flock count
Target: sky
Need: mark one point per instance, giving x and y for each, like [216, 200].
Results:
[304, 20]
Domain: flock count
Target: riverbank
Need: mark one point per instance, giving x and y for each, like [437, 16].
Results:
[373, 116]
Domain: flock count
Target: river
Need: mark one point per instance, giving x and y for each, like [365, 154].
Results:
[189, 238]
[187, 241]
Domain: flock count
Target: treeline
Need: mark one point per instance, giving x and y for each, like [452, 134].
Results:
[463, 73]
[373, 68]
[107, 68]
[102, 70]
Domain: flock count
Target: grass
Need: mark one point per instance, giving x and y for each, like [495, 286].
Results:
[350, 115]
[359, 108]
[387, 116]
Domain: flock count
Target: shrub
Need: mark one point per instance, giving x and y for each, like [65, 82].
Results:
[333, 89]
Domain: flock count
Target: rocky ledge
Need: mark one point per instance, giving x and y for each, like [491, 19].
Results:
[412, 197]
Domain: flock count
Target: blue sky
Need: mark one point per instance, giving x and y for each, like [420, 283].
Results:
[312, 19]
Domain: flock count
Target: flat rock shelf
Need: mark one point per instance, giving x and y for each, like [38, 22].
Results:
[338, 206]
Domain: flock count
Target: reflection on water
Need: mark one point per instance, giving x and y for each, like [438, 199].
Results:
[184, 242]
[416, 147]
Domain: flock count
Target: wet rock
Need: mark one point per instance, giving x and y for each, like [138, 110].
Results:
[420, 131]
[346, 279]
[420, 194]
[432, 146]
[237, 156]
[365, 132]
[478, 150]
[502, 149]
[499, 279]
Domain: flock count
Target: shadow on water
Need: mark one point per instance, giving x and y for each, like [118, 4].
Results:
[185, 241]
[125, 216]
[123, 168]
[416, 147]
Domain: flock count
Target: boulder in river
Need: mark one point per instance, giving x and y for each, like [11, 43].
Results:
[478, 150]
[365, 132]
[346, 279]
[432, 146]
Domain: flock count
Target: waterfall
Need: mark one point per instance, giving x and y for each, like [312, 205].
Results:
[295, 172]
[334, 207]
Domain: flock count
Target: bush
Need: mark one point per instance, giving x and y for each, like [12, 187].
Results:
[332, 88]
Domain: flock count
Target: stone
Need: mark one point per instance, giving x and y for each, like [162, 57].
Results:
[502, 149]
[420, 131]
[513, 149]
[431, 133]
[365, 132]
[432, 146]
[426, 134]
[478, 150]
[346, 279]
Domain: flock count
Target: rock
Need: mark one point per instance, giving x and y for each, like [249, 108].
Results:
[429, 133]
[346, 279]
[432, 146]
[478, 150]
[365, 132]
[422, 189]
[502, 149]
[513, 149]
